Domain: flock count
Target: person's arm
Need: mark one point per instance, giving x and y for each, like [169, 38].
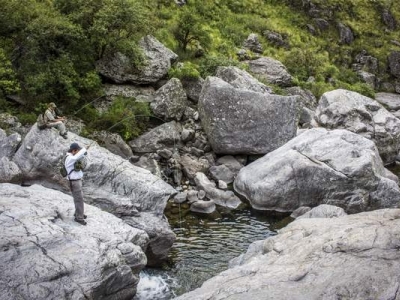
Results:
[78, 155]
[49, 116]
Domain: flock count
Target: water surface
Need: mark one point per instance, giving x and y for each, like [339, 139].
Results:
[204, 246]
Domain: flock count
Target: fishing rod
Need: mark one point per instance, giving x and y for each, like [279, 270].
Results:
[88, 104]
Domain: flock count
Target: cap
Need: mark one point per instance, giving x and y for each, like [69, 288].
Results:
[74, 146]
[52, 104]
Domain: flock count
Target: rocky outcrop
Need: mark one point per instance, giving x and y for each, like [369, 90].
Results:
[113, 142]
[319, 167]
[323, 211]
[139, 93]
[110, 182]
[46, 255]
[9, 144]
[239, 121]
[241, 80]
[253, 44]
[166, 135]
[346, 36]
[193, 88]
[362, 115]
[120, 69]
[350, 257]
[170, 100]
[394, 63]
[390, 101]
[271, 70]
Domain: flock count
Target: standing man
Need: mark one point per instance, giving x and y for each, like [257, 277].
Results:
[75, 174]
[52, 120]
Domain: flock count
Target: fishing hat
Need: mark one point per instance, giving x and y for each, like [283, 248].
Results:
[52, 104]
[74, 146]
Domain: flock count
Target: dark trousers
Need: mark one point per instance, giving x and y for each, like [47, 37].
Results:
[77, 194]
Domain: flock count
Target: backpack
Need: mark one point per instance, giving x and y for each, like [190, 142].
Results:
[78, 166]
[63, 170]
[41, 122]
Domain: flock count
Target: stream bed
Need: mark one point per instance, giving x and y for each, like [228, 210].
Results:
[204, 246]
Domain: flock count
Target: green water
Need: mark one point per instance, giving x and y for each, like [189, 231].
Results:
[206, 243]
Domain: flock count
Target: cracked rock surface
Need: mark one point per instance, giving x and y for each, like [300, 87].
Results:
[342, 109]
[335, 167]
[350, 257]
[46, 255]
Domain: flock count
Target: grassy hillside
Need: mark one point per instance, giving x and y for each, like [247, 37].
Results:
[48, 48]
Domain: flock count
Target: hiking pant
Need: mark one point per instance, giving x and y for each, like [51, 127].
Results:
[59, 125]
[77, 194]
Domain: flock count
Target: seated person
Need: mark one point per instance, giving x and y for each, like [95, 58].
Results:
[52, 120]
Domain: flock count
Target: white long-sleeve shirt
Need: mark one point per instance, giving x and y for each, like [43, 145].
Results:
[69, 164]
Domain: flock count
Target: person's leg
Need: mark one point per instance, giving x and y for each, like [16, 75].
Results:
[59, 125]
[77, 194]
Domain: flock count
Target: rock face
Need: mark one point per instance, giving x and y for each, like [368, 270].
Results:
[350, 257]
[193, 88]
[110, 182]
[114, 143]
[166, 135]
[362, 115]
[271, 70]
[394, 63]
[319, 167]
[158, 61]
[46, 255]
[239, 121]
[140, 93]
[8, 144]
[252, 43]
[389, 100]
[324, 211]
[170, 100]
[241, 80]
[346, 34]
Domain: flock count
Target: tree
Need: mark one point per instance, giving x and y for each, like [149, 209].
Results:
[188, 31]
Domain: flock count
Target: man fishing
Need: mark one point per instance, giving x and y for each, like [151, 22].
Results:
[52, 120]
[74, 170]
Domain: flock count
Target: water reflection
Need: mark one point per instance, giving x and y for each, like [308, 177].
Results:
[204, 246]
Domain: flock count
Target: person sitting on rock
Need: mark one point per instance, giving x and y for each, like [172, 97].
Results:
[53, 120]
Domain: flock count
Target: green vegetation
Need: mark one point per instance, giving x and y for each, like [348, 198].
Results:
[48, 48]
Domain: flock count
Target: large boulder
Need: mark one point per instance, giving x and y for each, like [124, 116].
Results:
[170, 100]
[239, 121]
[110, 182]
[253, 44]
[113, 142]
[394, 63]
[241, 80]
[167, 135]
[320, 167]
[46, 255]
[390, 101]
[120, 69]
[350, 257]
[365, 116]
[346, 35]
[139, 93]
[271, 70]
[9, 144]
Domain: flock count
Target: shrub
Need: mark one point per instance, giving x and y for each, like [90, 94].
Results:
[186, 70]
[125, 117]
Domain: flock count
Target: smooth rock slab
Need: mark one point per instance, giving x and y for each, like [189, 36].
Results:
[390, 100]
[46, 255]
[350, 257]
[336, 167]
[239, 121]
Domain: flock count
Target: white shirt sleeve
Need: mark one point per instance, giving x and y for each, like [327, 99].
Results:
[70, 162]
